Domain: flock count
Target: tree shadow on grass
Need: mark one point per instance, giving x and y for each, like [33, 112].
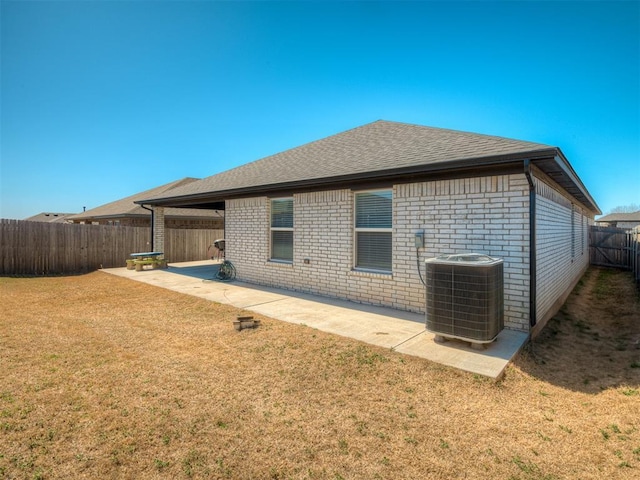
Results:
[593, 342]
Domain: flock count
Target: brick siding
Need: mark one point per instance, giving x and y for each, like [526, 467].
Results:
[562, 244]
[485, 215]
[158, 229]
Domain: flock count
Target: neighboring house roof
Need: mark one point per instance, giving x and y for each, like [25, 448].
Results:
[621, 217]
[127, 208]
[50, 217]
[378, 150]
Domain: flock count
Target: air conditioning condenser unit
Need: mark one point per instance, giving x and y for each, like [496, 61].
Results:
[465, 297]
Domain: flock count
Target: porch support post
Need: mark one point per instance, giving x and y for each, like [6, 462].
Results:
[158, 229]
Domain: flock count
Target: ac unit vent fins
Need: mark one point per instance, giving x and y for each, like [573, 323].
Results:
[465, 297]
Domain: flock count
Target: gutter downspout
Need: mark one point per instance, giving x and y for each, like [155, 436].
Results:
[532, 244]
[152, 224]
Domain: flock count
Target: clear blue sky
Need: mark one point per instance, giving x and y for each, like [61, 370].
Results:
[101, 100]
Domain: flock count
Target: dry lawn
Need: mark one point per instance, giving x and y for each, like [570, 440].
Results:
[94, 386]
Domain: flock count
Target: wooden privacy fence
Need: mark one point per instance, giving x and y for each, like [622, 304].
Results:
[186, 245]
[615, 247]
[38, 248]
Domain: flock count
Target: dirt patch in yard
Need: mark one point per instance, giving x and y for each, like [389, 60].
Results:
[102, 377]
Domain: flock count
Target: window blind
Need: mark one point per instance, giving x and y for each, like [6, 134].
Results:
[374, 250]
[373, 222]
[373, 210]
[282, 245]
[282, 213]
[282, 229]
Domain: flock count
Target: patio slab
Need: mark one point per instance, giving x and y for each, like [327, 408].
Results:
[403, 332]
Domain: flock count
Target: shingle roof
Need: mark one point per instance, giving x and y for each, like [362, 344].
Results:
[621, 217]
[378, 150]
[375, 147]
[126, 207]
[50, 217]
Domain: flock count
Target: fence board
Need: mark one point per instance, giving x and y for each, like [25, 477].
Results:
[610, 247]
[38, 248]
[615, 247]
[185, 245]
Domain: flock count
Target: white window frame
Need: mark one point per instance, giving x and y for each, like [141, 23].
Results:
[357, 230]
[278, 229]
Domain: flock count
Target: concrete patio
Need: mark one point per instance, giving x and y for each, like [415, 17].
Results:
[400, 331]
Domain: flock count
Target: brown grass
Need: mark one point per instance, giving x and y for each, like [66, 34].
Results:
[92, 385]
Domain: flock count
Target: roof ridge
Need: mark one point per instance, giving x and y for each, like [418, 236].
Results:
[127, 204]
[458, 132]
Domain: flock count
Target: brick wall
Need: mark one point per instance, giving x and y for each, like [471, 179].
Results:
[247, 236]
[158, 229]
[562, 245]
[485, 215]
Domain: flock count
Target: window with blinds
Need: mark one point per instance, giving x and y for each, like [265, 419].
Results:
[373, 224]
[282, 229]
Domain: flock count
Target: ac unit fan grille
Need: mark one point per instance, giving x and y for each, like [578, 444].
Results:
[465, 301]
